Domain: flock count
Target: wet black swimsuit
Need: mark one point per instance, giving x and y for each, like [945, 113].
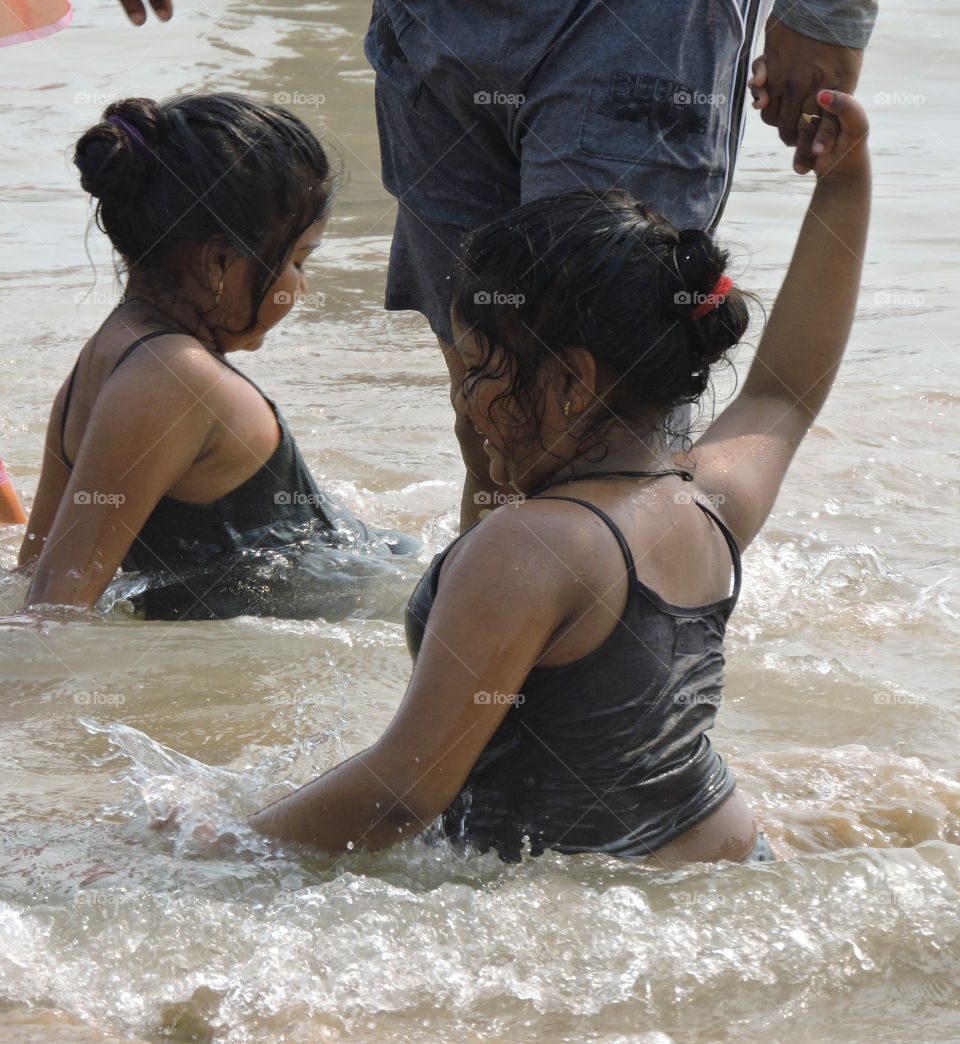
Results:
[609, 753]
[210, 561]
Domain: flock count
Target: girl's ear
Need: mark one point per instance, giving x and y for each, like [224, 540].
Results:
[215, 257]
[578, 378]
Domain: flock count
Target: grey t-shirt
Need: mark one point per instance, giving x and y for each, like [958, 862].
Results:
[847, 23]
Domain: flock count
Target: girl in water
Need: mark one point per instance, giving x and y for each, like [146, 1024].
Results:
[569, 648]
[160, 455]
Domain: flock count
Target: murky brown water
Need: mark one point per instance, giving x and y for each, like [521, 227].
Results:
[841, 713]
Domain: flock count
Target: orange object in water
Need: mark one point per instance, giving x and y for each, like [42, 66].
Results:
[22, 20]
[10, 509]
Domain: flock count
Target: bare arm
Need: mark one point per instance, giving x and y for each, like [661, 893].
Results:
[486, 630]
[54, 476]
[742, 457]
[147, 428]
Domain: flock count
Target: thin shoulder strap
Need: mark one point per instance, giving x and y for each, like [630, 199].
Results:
[141, 340]
[624, 547]
[731, 544]
[628, 557]
[73, 377]
[160, 333]
[256, 387]
[63, 414]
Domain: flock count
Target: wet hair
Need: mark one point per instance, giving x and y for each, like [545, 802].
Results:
[603, 272]
[199, 166]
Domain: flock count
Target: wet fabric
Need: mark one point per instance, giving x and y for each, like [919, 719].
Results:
[843, 23]
[610, 753]
[276, 545]
[486, 105]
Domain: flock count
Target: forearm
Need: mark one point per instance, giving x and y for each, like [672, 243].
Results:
[808, 328]
[79, 559]
[57, 580]
[348, 808]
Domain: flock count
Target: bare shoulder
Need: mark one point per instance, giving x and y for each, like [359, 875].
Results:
[555, 542]
[174, 363]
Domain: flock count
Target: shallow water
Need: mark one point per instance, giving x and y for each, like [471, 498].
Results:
[840, 715]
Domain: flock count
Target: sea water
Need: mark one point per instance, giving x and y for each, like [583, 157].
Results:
[840, 716]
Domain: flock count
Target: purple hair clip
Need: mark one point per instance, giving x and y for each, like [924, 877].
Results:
[119, 121]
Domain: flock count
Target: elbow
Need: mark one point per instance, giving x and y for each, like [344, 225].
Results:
[397, 823]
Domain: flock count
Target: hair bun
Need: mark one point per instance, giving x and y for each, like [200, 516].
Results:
[690, 273]
[115, 157]
[688, 277]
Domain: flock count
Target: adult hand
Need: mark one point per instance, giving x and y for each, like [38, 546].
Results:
[785, 82]
[137, 12]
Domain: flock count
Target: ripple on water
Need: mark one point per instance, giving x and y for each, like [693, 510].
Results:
[564, 943]
[153, 934]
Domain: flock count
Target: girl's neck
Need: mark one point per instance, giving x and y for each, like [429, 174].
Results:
[631, 452]
[146, 305]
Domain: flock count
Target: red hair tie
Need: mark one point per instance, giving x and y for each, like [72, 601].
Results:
[714, 299]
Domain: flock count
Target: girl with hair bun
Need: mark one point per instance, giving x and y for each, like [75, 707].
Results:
[569, 647]
[160, 455]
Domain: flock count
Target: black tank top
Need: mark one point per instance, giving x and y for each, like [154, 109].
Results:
[610, 753]
[201, 555]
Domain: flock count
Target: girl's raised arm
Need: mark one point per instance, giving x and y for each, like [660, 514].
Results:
[742, 457]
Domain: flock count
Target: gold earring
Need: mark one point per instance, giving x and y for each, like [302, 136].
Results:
[566, 408]
[219, 292]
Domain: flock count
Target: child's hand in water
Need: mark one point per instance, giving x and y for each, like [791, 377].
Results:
[847, 155]
[201, 828]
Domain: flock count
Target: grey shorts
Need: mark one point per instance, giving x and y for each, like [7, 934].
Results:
[483, 105]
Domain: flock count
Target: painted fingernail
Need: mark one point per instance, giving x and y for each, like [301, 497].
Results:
[818, 147]
[825, 97]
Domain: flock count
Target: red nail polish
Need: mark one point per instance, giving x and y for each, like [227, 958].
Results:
[825, 97]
